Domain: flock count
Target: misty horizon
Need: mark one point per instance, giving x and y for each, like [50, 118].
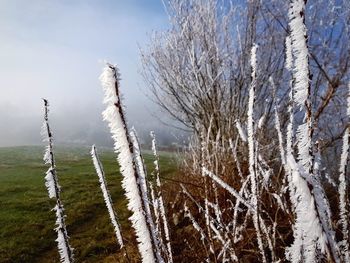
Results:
[55, 50]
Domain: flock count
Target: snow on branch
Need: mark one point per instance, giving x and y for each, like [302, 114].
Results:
[53, 189]
[106, 195]
[124, 149]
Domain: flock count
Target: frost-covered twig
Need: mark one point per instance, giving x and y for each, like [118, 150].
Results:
[114, 115]
[141, 172]
[289, 54]
[157, 223]
[235, 157]
[196, 226]
[205, 159]
[278, 123]
[343, 192]
[252, 153]
[236, 207]
[53, 188]
[301, 75]
[106, 195]
[160, 197]
[241, 132]
[310, 231]
[214, 224]
[224, 185]
[307, 190]
[208, 217]
[290, 134]
[289, 64]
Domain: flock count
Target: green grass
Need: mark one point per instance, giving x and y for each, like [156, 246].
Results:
[26, 219]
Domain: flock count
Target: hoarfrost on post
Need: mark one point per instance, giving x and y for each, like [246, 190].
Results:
[53, 189]
[114, 115]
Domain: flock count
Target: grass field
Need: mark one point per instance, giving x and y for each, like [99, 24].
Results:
[26, 219]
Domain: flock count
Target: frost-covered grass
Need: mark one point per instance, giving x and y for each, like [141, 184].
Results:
[26, 223]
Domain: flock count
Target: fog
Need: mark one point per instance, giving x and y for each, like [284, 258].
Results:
[55, 50]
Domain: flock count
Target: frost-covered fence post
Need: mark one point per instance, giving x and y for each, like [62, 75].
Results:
[53, 188]
[252, 153]
[160, 198]
[343, 188]
[124, 149]
[106, 196]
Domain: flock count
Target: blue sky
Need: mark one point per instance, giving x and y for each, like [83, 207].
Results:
[54, 49]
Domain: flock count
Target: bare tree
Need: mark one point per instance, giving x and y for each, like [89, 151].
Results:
[199, 70]
[283, 133]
